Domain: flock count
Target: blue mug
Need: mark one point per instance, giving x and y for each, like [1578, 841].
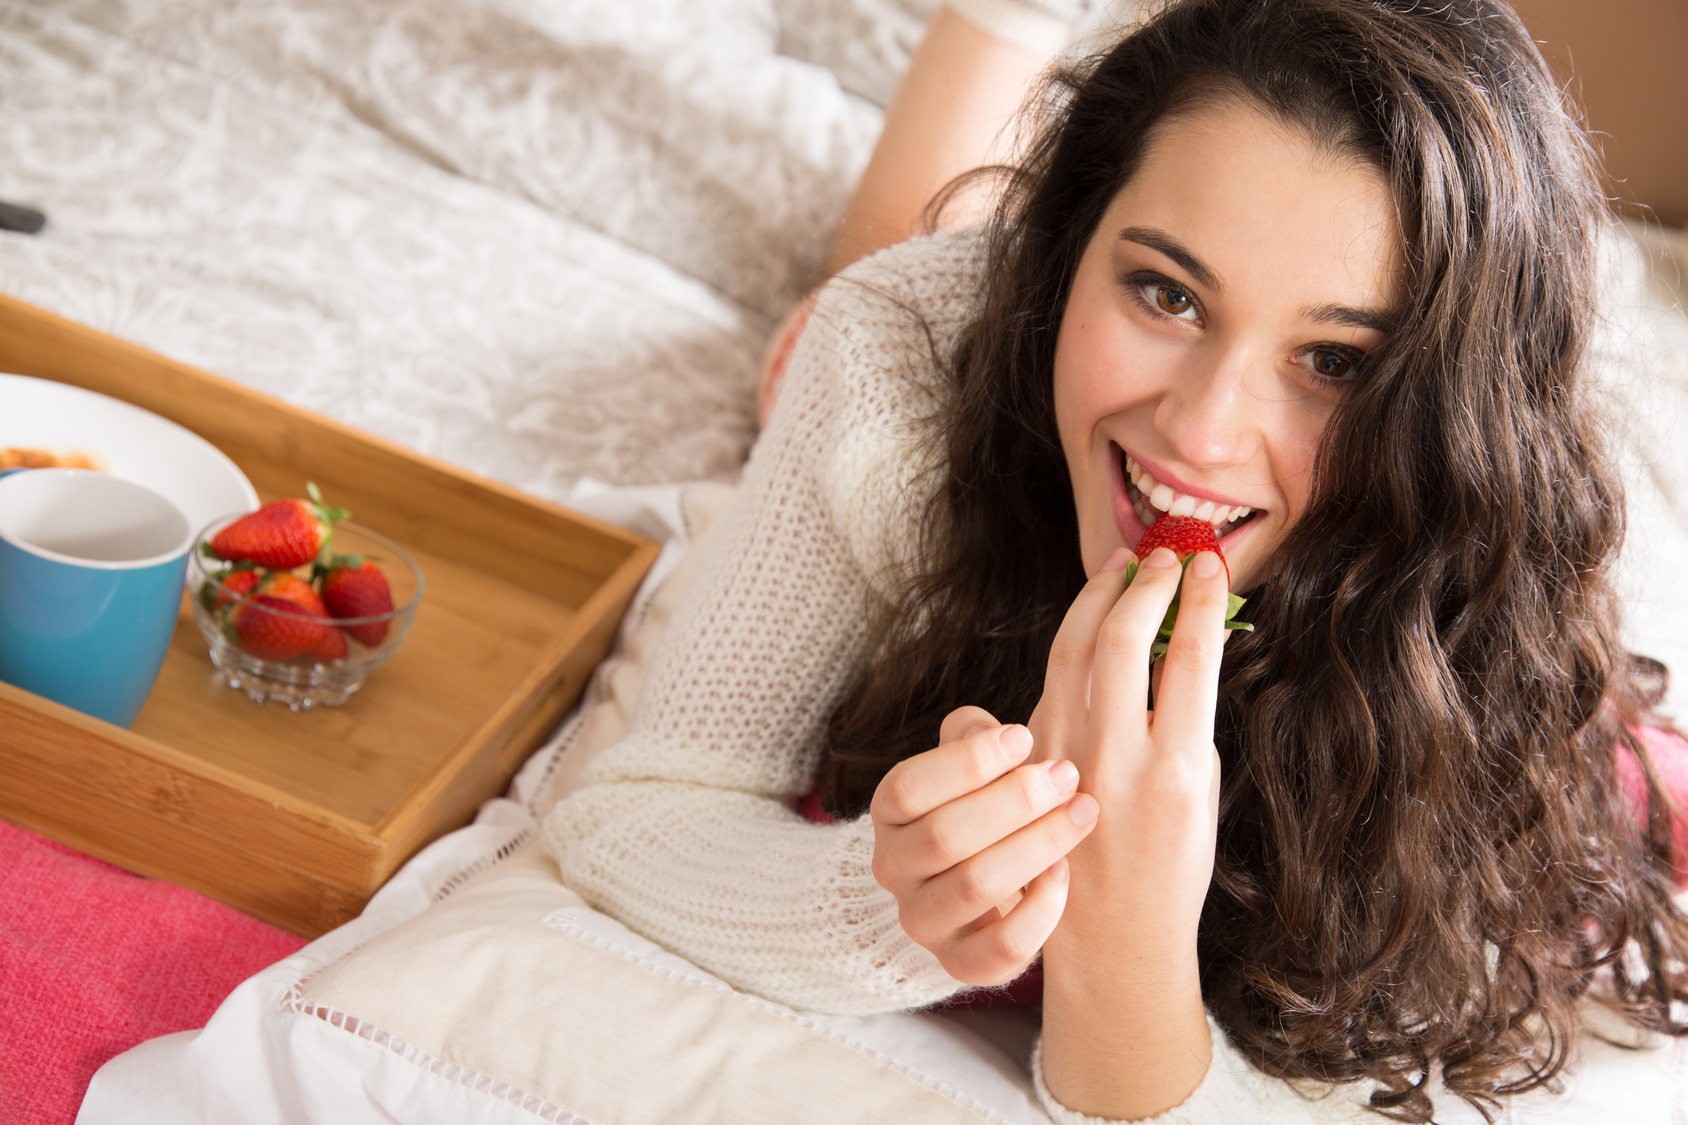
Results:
[91, 573]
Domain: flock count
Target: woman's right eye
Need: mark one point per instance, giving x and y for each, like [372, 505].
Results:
[1165, 297]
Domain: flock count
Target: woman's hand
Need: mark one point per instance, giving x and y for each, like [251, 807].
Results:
[1156, 772]
[972, 845]
[1120, 974]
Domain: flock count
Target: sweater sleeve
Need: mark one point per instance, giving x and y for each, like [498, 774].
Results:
[1231, 1091]
[684, 829]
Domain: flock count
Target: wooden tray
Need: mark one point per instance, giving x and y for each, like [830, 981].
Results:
[297, 818]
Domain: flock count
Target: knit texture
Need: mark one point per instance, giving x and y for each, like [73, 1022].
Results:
[685, 830]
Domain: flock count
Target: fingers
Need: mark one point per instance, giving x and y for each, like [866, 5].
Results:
[1070, 657]
[1120, 678]
[999, 952]
[1189, 688]
[966, 826]
[963, 721]
[948, 902]
[915, 786]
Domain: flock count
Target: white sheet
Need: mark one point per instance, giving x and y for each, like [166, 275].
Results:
[542, 239]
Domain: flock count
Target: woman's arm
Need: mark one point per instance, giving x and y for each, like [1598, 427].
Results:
[1124, 1033]
[685, 830]
[951, 114]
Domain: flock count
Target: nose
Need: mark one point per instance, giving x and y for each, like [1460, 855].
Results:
[1207, 413]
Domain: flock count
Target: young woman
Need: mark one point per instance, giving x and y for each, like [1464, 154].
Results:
[1319, 272]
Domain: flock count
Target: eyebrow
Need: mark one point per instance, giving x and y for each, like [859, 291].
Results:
[1348, 317]
[1344, 315]
[1172, 248]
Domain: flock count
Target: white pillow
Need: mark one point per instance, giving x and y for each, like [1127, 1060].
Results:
[514, 980]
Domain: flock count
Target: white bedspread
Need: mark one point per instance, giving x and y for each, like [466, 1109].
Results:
[538, 238]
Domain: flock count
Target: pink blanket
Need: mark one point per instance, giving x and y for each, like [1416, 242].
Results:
[93, 960]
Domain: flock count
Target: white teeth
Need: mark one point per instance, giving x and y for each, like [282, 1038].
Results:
[1175, 503]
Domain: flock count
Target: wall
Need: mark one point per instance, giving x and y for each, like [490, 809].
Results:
[1628, 65]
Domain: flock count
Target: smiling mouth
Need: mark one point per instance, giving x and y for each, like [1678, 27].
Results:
[1151, 499]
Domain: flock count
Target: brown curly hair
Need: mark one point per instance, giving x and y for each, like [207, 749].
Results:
[1425, 861]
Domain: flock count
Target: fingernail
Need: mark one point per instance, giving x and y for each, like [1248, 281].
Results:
[1118, 560]
[1058, 870]
[1064, 775]
[1206, 565]
[1083, 809]
[1160, 558]
[1016, 741]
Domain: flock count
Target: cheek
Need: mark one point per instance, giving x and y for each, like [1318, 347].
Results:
[1295, 453]
[1090, 369]
[1072, 396]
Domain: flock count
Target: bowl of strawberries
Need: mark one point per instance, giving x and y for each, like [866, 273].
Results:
[298, 603]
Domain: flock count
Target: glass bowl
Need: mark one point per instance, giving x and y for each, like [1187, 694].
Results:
[311, 679]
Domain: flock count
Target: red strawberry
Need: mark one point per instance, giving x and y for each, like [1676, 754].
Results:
[236, 582]
[1184, 536]
[292, 588]
[292, 622]
[280, 634]
[333, 646]
[355, 587]
[282, 534]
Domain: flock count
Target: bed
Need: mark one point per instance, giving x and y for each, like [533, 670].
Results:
[546, 240]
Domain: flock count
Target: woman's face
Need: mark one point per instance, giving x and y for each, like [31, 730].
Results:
[1230, 293]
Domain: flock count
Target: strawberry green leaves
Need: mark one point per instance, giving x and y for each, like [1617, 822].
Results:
[1163, 635]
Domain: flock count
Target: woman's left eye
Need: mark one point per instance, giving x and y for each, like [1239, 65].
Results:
[1330, 363]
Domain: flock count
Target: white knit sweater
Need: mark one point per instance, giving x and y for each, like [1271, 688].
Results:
[685, 829]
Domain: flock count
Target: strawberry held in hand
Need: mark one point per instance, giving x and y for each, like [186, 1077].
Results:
[1184, 536]
[282, 534]
[355, 587]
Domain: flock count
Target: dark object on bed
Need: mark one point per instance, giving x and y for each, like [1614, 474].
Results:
[13, 217]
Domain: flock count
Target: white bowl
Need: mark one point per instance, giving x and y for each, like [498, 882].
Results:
[126, 442]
